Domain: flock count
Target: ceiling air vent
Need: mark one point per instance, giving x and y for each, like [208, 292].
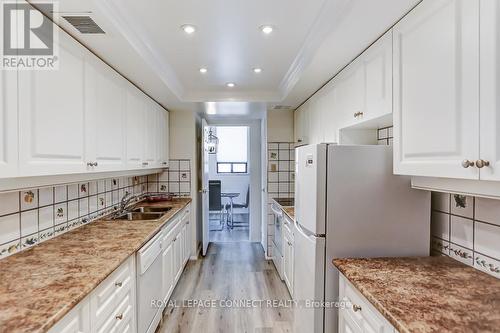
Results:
[84, 24]
[282, 107]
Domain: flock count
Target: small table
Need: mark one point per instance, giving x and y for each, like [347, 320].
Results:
[230, 196]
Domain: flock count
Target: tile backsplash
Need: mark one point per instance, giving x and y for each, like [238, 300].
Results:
[385, 136]
[280, 179]
[467, 229]
[175, 180]
[31, 216]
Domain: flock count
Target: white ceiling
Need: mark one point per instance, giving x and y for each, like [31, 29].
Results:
[312, 40]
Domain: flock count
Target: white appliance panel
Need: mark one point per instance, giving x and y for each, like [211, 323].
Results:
[310, 187]
[309, 275]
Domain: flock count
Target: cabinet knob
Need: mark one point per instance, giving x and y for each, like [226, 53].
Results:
[482, 163]
[467, 163]
[356, 308]
[90, 164]
[145, 163]
[118, 284]
[95, 164]
[120, 316]
[164, 163]
[358, 114]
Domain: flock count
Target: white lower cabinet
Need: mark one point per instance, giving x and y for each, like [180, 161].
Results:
[175, 247]
[76, 321]
[112, 303]
[288, 254]
[109, 308]
[359, 316]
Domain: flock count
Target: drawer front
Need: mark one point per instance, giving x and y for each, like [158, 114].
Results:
[361, 311]
[106, 297]
[124, 315]
[148, 253]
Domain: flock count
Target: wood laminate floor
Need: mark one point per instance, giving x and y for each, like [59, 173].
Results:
[230, 271]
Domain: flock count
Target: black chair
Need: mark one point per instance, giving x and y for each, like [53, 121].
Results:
[239, 205]
[215, 201]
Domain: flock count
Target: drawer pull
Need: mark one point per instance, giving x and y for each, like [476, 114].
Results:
[118, 284]
[120, 316]
[356, 308]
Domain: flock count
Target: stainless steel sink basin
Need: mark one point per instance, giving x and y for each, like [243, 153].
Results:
[133, 216]
[152, 209]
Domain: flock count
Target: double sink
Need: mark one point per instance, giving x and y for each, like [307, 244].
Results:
[141, 213]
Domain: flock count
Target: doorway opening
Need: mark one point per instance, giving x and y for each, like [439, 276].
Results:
[229, 183]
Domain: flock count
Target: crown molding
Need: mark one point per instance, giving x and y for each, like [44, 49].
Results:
[137, 37]
[328, 19]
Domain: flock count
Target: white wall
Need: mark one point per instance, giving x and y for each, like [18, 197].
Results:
[280, 126]
[183, 145]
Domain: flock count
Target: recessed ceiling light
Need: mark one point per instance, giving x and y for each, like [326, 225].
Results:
[188, 28]
[257, 70]
[267, 29]
[230, 85]
[203, 70]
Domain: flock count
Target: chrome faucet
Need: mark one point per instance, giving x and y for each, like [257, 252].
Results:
[126, 199]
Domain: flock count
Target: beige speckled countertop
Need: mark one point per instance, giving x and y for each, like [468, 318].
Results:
[427, 294]
[40, 285]
[290, 211]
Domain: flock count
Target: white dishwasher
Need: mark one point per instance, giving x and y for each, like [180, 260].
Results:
[149, 273]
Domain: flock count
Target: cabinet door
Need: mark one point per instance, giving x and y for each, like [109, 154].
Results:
[347, 324]
[490, 89]
[377, 62]
[350, 92]
[105, 101]
[136, 113]
[168, 269]
[436, 89]
[287, 269]
[52, 115]
[187, 236]
[177, 256]
[76, 321]
[164, 120]
[8, 124]
[150, 157]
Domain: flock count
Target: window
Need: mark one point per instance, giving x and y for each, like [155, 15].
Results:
[232, 153]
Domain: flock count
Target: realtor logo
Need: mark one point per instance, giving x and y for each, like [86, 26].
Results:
[28, 37]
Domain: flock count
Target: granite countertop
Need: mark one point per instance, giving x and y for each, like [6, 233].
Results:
[427, 294]
[290, 211]
[40, 285]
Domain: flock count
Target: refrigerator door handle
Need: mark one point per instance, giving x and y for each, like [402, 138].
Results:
[306, 232]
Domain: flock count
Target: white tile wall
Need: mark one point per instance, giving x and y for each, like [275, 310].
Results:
[280, 179]
[31, 216]
[467, 229]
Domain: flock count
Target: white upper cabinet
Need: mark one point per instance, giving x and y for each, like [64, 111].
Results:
[163, 147]
[349, 92]
[151, 132]
[52, 115]
[377, 63]
[490, 89]
[436, 90]
[8, 124]
[135, 128]
[106, 104]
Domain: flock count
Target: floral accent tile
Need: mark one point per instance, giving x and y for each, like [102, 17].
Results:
[29, 199]
[10, 248]
[29, 241]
